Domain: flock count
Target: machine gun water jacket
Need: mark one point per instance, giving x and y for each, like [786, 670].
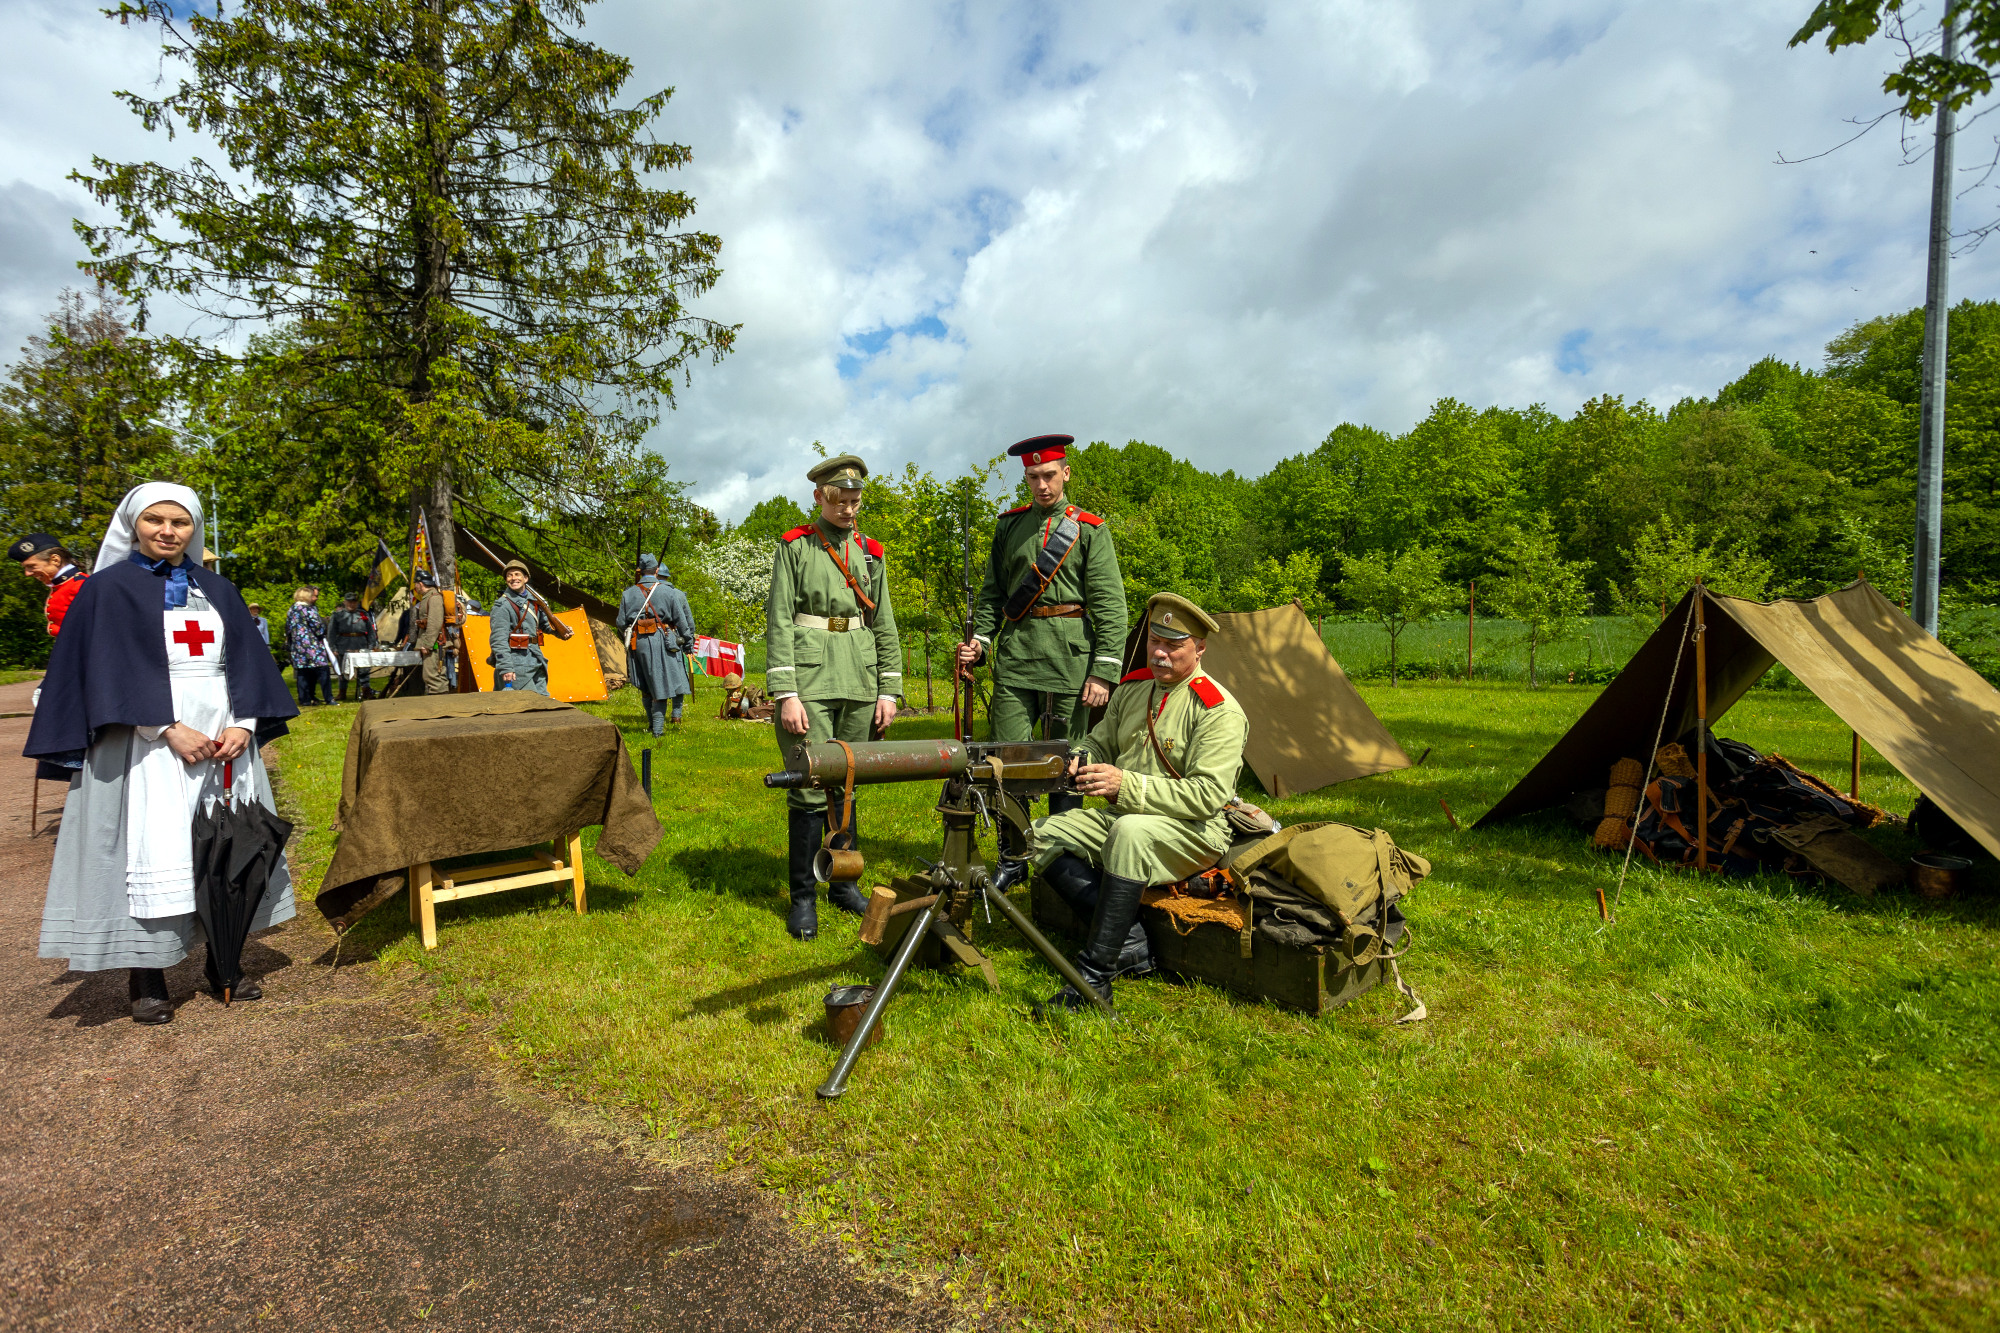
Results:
[1167, 823]
[1076, 627]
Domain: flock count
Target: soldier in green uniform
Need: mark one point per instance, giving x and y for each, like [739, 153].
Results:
[1165, 756]
[833, 662]
[1051, 612]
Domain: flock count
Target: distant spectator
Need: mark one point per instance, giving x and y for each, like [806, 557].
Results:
[263, 625]
[351, 631]
[44, 560]
[305, 642]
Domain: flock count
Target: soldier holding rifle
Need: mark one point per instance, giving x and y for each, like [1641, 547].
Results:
[520, 619]
[1051, 612]
[1165, 757]
[659, 629]
[834, 665]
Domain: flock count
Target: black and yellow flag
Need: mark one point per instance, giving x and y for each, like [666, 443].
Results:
[386, 575]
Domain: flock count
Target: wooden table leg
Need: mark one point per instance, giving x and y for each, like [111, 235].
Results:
[421, 883]
[576, 867]
[416, 897]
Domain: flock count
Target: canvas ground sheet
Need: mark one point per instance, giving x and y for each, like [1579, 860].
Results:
[440, 776]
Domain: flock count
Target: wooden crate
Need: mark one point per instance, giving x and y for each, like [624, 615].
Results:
[1312, 983]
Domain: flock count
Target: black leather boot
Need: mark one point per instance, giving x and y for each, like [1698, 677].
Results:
[845, 896]
[1076, 882]
[1102, 958]
[805, 829]
[148, 986]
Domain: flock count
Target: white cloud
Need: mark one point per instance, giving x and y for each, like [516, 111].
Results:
[1222, 227]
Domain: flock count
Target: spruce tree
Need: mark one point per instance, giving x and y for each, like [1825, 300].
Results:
[449, 221]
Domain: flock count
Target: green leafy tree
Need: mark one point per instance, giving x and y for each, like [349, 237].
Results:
[1399, 590]
[1276, 582]
[771, 519]
[1539, 588]
[82, 421]
[446, 213]
[1925, 79]
[1667, 560]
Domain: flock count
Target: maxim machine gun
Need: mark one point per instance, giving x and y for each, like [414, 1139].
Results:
[933, 913]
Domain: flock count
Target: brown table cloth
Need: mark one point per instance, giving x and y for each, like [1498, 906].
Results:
[447, 775]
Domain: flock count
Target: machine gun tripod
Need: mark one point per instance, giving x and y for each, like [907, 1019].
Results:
[981, 779]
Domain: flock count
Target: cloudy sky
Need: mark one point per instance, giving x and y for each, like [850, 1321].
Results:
[1223, 228]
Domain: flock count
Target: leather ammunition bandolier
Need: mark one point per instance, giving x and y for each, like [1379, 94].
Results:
[1049, 558]
[647, 622]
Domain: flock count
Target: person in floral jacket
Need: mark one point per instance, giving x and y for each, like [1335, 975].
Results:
[305, 642]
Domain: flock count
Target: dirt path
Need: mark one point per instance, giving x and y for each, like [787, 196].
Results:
[321, 1159]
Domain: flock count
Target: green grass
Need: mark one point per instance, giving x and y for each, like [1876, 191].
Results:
[1747, 1104]
[16, 675]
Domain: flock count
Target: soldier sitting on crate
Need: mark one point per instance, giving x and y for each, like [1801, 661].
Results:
[1166, 757]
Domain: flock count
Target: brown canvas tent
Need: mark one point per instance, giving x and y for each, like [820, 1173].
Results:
[1902, 691]
[1308, 724]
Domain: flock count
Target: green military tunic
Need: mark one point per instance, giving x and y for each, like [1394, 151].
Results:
[837, 673]
[1163, 828]
[1050, 656]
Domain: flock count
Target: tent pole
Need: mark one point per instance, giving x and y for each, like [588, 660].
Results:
[1854, 771]
[1701, 726]
[1471, 603]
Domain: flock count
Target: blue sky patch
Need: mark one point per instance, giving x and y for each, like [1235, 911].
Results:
[1570, 359]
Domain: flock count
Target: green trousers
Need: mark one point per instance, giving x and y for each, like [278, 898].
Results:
[1016, 712]
[1152, 849]
[831, 719]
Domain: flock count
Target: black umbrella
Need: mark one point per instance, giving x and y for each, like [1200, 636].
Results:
[235, 849]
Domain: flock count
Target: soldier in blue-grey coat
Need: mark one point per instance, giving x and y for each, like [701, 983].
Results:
[659, 629]
[520, 618]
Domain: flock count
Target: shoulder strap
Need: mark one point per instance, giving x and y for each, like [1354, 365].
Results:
[1049, 558]
[867, 603]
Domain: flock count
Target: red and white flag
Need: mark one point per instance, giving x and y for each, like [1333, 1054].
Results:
[719, 657]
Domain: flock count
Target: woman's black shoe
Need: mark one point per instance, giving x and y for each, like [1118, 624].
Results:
[148, 988]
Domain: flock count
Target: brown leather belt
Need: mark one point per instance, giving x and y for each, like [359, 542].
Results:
[1059, 609]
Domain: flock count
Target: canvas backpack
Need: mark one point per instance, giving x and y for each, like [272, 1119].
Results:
[1336, 887]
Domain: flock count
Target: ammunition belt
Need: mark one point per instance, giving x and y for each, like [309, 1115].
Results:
[831, 624]
[1059, 609]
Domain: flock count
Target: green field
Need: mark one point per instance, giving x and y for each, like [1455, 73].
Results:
[1746, 1104]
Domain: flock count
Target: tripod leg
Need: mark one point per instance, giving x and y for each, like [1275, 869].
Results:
[1050, 952]
[836, 1082]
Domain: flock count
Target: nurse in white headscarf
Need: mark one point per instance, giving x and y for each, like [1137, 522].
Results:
[156, 688]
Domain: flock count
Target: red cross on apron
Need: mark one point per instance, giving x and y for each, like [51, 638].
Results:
[194, 636]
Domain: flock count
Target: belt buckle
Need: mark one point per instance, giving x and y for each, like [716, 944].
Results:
[836, 624]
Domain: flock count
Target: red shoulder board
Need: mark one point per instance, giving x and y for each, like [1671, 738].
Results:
[1085, 516]
[1204, 690]
[1017, 509]
[796, 533]
[1143, 673]
[873, 547]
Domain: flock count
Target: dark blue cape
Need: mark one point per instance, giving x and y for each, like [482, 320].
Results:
[109, 664]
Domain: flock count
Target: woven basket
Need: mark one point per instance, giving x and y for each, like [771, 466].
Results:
[1621, 801]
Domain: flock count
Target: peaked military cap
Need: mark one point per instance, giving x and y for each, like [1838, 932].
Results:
[1037, 449]
[1172, 616]
[846, 471]
[32, 545]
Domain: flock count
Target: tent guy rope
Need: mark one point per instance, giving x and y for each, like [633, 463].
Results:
[1659, 737]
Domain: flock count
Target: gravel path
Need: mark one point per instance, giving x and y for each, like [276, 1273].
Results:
[323, 1159]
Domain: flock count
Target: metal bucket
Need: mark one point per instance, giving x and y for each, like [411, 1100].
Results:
[837, 865]
[1937, 875]
[844, 1007]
